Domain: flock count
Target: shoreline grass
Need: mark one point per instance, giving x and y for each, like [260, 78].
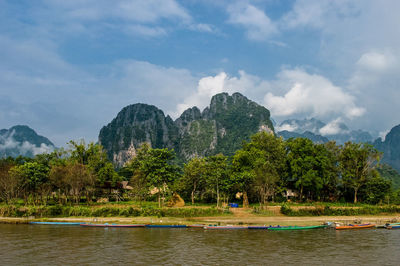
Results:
[106, 211]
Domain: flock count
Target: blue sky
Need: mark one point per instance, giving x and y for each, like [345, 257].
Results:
[68, 67]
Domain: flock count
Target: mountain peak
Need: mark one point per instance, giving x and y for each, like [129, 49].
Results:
[220, 128]
[23, 140]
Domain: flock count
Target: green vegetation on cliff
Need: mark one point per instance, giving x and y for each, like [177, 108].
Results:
[220, 128]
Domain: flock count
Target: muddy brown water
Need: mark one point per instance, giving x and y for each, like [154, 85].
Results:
[73, 245]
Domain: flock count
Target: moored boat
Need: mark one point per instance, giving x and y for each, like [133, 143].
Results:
[355, 226]
[55, 223]
[296, 227]
[393, 226]
[113, 225]
[225, 227]
[265, 227]
[166, 225]
[196, 225]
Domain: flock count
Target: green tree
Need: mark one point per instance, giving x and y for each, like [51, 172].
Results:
[376, 190]
[303, 165]
[193, 178]
[157, 167]
[328, 161]
[58, 179]
[95, 159]
[261, 164]
[10, 185]
[134, 171]
[243, 172]
[217, 175]
[79, 179]
[35, 178]
[357, 164]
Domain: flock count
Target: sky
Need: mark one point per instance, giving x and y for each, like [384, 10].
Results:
[68, 67]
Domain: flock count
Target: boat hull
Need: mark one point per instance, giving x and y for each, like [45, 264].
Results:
[296, 227]
[196, 226]
[393, 227]
[165, 226]
[114, 225]
[225, 227]
[54, 223]
[355, 227]
[264, 227]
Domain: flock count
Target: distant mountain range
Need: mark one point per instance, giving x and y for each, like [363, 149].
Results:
[219, 128]
[22, 140]
[320, 132]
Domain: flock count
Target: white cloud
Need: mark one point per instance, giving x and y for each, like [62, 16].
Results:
[383, 134]
[287, 127]
[258, 25]
[209, 86]
[149, 18]
[206, 88]
[10, 146]
[332, 128]
[149, 11]
[317, 13]
[374, 68]
[376, 62]
[310, 95]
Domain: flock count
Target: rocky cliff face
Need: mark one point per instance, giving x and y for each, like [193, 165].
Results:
[220, 128]
[134, 125]
[22, 140]
[390, 147]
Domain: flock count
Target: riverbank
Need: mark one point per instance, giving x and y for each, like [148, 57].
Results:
[222, 220]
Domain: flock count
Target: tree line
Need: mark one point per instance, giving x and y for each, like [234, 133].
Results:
[266, 168]
[65, 176]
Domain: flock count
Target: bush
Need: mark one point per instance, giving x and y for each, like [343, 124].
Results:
[329, 211]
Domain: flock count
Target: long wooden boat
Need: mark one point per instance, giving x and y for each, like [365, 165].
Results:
[55, 223]
[265, 227]
[393, 226]
[113, 225]
[225, 227]
[296, 227]
[196, 225]
[355, 226]
[166, 225]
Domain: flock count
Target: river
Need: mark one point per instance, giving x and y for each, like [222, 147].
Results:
[71, 245]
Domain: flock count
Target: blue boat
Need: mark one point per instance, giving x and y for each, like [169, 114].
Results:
[265, 227]
[113, 225]
[55, 223]
[393, 226]
[225, 227]
[165, 226]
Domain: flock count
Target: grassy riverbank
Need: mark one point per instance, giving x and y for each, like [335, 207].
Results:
[109, 210]
[149, 213]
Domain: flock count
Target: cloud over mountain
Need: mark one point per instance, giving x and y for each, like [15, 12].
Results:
[310, 95]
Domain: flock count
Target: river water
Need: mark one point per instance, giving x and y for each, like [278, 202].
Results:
[71, 245]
